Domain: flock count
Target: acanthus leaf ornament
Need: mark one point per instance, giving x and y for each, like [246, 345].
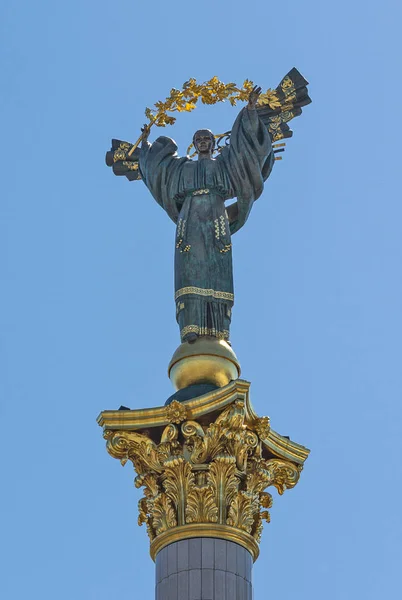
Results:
[178, 479]
[222, 478]
[263, 515]
[145, 510]
[201, 505]
[243, 510]
[262, 427]
[164, 515]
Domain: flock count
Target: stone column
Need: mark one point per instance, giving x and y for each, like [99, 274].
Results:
[203, 569]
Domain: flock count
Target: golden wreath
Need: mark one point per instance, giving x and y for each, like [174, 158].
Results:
[210, 92]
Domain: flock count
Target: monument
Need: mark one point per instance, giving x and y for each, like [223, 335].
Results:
[204, 458]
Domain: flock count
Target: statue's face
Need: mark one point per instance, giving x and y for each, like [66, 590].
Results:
[203, 141]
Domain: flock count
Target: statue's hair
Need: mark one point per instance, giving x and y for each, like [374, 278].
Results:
[211, 135]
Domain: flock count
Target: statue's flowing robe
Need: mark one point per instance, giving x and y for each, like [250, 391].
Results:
[193, 193]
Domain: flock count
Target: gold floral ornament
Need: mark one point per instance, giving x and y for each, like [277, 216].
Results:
[176, 412]
[262, 427]
[210, 92]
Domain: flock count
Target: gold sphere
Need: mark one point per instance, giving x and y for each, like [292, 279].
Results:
[207, 360]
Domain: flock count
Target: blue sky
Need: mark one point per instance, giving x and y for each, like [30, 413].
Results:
[87, 315]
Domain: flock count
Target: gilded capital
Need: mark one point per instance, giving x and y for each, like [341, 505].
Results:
[204, 471]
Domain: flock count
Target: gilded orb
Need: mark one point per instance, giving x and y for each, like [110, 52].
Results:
[207, 360]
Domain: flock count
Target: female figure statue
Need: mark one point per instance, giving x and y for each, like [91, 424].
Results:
[193, 193]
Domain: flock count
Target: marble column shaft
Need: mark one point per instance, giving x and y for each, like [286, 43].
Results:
[203, 569]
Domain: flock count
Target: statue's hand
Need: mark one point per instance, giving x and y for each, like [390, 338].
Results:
[145, 133]
[253, 97]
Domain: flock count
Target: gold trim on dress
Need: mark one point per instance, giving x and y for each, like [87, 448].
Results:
[204, 292]
[221, 335]
[201, 192]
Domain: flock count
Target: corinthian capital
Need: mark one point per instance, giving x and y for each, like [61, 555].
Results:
[204, 471]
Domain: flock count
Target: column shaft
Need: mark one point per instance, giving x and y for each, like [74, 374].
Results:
[203, 569]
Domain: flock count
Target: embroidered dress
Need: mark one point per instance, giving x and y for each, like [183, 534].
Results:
[193, 193]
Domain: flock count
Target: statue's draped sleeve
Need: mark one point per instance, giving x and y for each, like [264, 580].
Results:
[161, 169]
[241, 169]
[248, 160]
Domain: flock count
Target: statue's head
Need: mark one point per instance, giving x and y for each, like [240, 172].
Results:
[204, 142]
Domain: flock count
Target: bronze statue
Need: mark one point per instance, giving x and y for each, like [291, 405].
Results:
[193, 193]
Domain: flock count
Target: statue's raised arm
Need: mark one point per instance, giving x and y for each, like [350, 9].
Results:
[249, 159]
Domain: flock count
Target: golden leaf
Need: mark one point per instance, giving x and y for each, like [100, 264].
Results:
[149, 113]
[266, 500]
[178, 478]
[189, 84]
[262, 427]
[224, 482]
[242, 511]
[248, 85]
[164, 516]
[145, 508]
[201, 505]
[265, 516]
[150, 483]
